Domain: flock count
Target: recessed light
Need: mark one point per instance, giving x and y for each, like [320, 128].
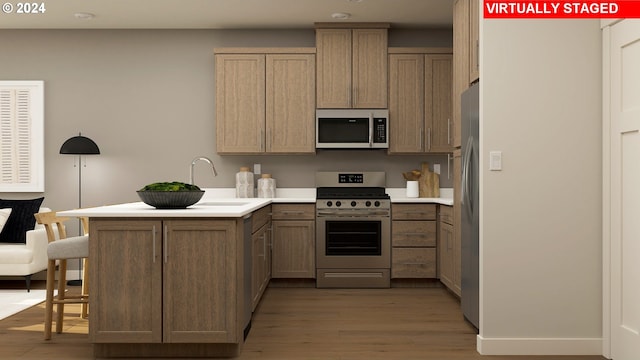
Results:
[84, 16]
[340, 16]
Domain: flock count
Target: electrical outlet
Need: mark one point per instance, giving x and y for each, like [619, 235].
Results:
[436, 168]
[257, 169]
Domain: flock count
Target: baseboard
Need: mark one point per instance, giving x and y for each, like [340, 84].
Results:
[539, 346]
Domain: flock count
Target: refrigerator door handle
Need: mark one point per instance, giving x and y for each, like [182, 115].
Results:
[465, 165]
[465, 198]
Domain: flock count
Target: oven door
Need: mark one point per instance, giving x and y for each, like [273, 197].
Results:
[353, 242]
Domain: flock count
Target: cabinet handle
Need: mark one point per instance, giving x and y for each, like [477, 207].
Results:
[413, 234]
[429, 139]
[154, 243]
[449, 131]
[421, 138]
[292, 212]
[165, 250]
[261, 139]
[449, 166]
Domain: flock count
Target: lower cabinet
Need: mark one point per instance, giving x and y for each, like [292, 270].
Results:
[165, 281]
[260, 254]
[413, 241]
[449, 251]
[293, 241]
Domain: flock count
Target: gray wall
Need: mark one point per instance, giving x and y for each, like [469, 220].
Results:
[147, 98]
[540, 218]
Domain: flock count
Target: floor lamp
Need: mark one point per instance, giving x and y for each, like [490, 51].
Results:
[79, 145]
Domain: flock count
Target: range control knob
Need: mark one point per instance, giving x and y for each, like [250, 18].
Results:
[329, 203]
[368, 203]
[338, 203]
[376, 204]
[353, 204]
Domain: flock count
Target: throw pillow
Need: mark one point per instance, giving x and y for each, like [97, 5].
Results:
[21, 219]
[4, 216]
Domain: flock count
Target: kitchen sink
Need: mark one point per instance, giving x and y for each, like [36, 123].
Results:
[222, 203]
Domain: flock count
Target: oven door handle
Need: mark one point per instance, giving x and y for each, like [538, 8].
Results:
[354, 214]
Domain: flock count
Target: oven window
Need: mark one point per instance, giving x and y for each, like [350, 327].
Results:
[353, 238]
[344, 130]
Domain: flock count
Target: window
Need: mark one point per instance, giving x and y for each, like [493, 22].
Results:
[21, 136]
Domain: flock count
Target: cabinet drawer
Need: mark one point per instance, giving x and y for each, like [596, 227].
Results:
[293, 212]
[413, 233]
[260, 217]
[413, 263]
[446, 214]
[413, 211]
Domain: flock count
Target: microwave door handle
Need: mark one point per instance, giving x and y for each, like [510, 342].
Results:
[371, 129]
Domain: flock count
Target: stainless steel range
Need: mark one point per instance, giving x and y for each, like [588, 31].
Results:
[353, 230]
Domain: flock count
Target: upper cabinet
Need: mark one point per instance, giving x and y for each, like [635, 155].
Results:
[265, 100]
[352, 65]
[474, 40]
[420, 104]
[466, 57]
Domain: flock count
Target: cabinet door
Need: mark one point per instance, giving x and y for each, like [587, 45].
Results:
[474, 40]
[290, 103]
[413, 233]
[446, 249]
[333, 68]
[460, 61]
[438, 106]
[240, 103]
[200, 281]
[406, 103]
[260, 254]
[294, 249]
[369, 69]
[125, 281]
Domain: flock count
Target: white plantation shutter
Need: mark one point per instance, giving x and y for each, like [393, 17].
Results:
[21, 136]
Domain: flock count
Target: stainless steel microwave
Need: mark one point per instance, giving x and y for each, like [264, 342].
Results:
[352, 129]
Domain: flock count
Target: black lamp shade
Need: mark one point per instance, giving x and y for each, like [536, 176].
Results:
[79, 145]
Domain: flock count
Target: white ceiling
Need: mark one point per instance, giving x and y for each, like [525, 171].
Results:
[225, 14]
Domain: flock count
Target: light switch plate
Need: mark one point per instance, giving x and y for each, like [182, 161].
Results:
[257, 169]
[495, 160]
[436, 168]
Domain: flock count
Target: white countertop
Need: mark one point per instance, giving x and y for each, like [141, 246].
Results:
[221, 202]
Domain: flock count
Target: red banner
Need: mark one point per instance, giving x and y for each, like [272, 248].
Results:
[561, 9]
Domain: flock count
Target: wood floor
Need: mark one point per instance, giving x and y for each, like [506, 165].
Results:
[301, 323]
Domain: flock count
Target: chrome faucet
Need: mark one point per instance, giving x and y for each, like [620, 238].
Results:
[193, 163]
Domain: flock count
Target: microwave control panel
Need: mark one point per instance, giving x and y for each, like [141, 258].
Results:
[379, 130]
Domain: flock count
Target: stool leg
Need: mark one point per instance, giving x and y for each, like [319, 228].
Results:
[48, 308]
[62, 287]
[85, 287]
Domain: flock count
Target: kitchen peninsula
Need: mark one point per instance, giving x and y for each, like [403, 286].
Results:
[177, 283]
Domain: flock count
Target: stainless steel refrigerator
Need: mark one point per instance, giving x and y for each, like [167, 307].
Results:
[470, 247]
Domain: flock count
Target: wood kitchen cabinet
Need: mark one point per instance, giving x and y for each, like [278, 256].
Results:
[352, 65]
[413, 241]
[449, 250]
[466, 54]
[164, 282]
[294, 241]
[265, 100]
[420, 101]
[260, 254]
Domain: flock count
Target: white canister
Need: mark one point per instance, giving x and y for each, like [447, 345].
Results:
[244, 183]
[412, 189]
[266, 186]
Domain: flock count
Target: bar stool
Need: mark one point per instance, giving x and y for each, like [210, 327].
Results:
[60, 248]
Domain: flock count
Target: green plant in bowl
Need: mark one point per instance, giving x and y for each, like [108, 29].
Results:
[170, 195]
